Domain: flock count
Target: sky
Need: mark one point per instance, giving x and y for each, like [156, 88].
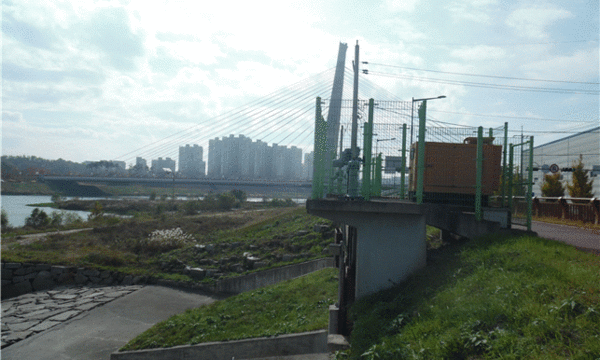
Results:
[100, 80]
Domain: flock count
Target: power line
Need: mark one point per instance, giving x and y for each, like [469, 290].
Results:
[487, 76]
[491, 86]
[512, 117]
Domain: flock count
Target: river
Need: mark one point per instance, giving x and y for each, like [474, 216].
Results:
[17, 210]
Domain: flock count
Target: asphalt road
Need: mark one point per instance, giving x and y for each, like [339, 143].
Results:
[584, 239]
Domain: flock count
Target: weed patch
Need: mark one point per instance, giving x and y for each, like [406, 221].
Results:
[493, 297]
[292, 306]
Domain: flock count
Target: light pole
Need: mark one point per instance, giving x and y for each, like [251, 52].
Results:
[412, 112]
[377, 144]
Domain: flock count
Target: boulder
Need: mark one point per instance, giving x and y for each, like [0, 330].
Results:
[43, 281]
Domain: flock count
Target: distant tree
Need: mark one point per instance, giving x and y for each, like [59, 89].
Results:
[4, 222]
[240, 195]
[55, 198]
[552, 186]
[38, 219]
[581, 186]
[97, 211]
[226, 201]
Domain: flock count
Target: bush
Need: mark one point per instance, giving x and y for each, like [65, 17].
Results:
[38, 219]
[240, 195]
[4, 224]
[282, 203]
[226, 201]
[165, 240]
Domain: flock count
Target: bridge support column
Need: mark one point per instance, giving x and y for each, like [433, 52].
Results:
[390, 242]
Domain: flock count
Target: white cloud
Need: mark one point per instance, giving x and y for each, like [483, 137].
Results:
[581, 66]
[532, 22]
[401, 5]
[479, 11]
[479, 53]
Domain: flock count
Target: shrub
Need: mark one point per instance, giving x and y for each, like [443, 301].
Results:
[552, 186]
[5, 224]
[38, 219]
[164, 240]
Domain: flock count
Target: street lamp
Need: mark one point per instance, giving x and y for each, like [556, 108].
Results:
[412, 111]
[377, 144]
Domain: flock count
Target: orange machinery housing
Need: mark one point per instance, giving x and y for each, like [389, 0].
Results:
[450, 171]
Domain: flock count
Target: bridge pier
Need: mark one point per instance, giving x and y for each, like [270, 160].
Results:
[390, 239]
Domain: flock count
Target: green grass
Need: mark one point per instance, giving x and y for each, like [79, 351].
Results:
[291, 306]
[496, 297]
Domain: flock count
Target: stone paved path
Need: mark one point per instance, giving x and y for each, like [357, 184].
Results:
[33, 313]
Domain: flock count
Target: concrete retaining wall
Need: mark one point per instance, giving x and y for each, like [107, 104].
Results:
[294, 344]
[272, 276]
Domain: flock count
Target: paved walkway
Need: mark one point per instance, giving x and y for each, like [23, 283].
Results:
[86, 323]
[585, 239]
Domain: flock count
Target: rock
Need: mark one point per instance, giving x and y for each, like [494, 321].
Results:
[223, 261]
[24, 270]
[91, 272]
[127, 280]
[14, 290]
[42, 267]
[259, 264]
[302, 233]
[286, 258]
[105, 274]
[138, 280]
[80, 279]
[12, 265]
[211, 272]
[95, 279]
[7, 274]
[57, 270]
[238, 268]
[106, 281]
[43, 281]
[197, 273]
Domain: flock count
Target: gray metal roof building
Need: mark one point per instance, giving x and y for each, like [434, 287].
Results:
[565, 152]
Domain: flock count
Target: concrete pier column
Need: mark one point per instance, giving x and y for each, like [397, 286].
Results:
[390, 239]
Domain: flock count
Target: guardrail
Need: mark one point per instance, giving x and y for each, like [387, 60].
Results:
[586, 210]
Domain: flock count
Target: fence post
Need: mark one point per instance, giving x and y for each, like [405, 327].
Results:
[536, 206]
[421, 152]
[403, 168]
[530, 185]
[366, 178]
[479, 174]
[564, 207]
[504, 169]
[510, 177]
[595, 202]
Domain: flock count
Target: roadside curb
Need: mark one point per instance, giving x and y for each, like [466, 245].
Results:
[291, 344]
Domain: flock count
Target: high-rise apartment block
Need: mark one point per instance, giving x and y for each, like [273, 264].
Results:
[191, 164]
[160, 164]
[241, 158]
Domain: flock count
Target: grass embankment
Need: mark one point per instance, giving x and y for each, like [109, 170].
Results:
[490, 298]
[150, 244]
[292, 306]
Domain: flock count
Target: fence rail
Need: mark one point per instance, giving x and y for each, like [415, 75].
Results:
[577, 209]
